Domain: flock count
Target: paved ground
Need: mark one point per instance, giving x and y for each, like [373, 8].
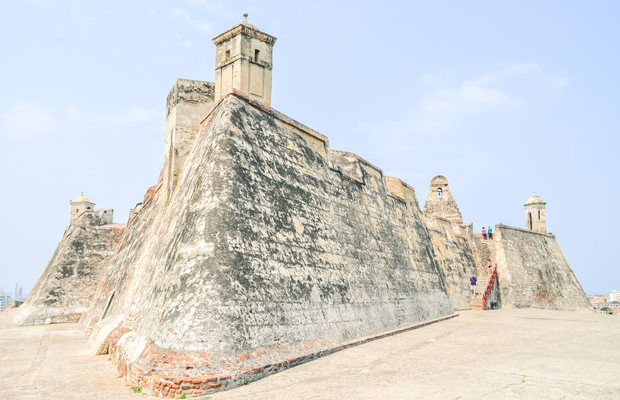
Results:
[504, 354]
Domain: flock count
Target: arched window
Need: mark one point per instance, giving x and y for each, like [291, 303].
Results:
[88, 208]
[539, 215]
[77, 210]
[529, 221]
[439, 192]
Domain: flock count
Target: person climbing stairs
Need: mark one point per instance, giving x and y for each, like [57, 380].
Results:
[483, 290]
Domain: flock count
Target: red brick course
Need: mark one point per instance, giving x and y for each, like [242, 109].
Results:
[165, 373]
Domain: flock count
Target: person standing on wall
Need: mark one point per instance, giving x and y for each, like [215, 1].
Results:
[484, 233]
[472, 284]
[490, 231]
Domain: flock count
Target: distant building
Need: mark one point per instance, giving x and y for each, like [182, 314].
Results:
[614, 296]
[18, 292]
[4, 299]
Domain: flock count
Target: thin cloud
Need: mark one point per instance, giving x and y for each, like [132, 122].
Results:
[213, 7]
[450, 101]
[74, 111]
[183, 16]
[428, 128]
[27, 119]
[477, 94]
[134, 114]
[187, 44]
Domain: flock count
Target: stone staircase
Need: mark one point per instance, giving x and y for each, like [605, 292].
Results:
[483, 290]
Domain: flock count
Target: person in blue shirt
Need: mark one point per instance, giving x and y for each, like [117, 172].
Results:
[490, 232]
[472, 284]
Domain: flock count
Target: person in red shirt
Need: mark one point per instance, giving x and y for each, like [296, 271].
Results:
[484, 233]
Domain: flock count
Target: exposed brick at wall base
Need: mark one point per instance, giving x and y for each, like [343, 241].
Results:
[165, 373]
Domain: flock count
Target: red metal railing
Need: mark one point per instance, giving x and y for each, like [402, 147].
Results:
[487, 292]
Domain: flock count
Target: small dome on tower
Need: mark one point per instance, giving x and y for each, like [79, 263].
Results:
[81, 198]
[535, 199]
[246, 23]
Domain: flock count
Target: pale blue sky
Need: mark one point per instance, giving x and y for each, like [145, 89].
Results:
[503, 98]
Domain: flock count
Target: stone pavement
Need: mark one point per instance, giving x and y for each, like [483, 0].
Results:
[498, 354]
[53, 358]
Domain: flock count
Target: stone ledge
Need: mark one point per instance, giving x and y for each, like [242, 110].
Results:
[501, 226]
[274, 113]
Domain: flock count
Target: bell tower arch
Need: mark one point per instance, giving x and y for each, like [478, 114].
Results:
[535, 214]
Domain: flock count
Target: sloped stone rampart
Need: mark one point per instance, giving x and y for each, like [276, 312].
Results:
[265, 244]
[453, 251]
[66, 286]
[483, 251]
[533, 272]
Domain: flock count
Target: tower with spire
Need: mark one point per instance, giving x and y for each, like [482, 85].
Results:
[243, 61]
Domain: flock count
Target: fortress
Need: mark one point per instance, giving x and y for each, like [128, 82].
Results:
[260, 248]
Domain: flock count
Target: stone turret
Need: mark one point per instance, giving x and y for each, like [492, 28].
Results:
[78, 206]
[243, 61]
[440, 201]
[188, 102]
[535, 215]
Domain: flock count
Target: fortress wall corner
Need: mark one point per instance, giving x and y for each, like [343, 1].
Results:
[272, 250]
[534, 273]
[66, 285]
[454, 256]
[395, 186]
[348, 163]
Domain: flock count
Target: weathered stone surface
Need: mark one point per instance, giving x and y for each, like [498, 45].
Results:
[533, 272]
[66, 286]
[453, 252]
[265, 252]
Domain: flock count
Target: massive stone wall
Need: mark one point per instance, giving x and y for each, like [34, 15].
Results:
[454, 255]
[267, 251]
[484, 250]
[533, 272]
[66, 286]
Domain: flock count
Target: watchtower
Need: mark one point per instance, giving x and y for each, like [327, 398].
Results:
[78, 206]
[535, 216]
[243, 61]
[440, 201]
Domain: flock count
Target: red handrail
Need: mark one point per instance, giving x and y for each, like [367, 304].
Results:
[487, 292]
